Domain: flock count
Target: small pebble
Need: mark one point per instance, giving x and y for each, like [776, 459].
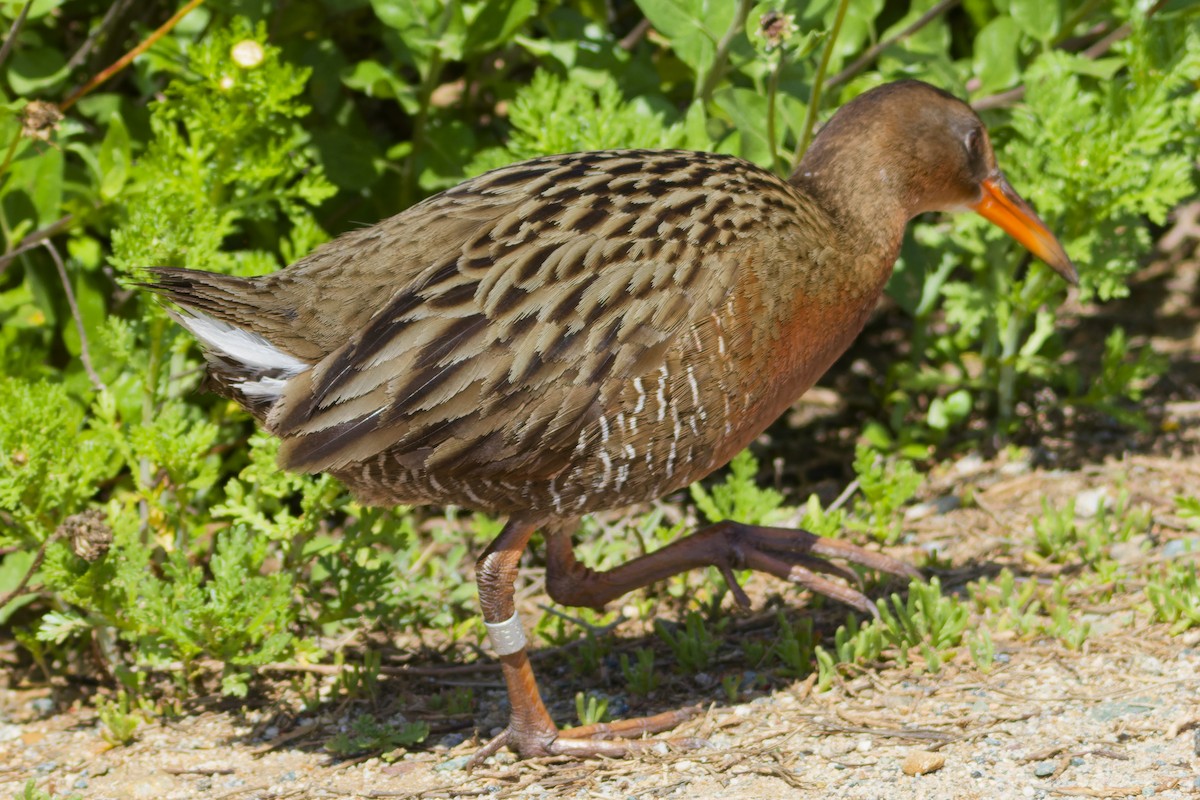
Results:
[44, 706]
[1044, 769]
[1076, 761]
[290, 775]
[1088, 503]
[922, 762]
[1180, 547]
[453, 764]
[451, 740]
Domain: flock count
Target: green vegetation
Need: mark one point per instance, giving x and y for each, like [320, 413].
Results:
[238, 142]
[366, 734]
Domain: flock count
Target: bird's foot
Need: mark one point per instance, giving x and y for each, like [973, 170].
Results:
[797, 556]
[602, 740]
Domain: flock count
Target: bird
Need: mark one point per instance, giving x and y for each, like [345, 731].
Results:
[590, 331]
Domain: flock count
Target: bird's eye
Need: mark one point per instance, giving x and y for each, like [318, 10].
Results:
[972, 141]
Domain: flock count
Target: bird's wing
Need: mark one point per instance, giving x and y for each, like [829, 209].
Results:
[580, 271]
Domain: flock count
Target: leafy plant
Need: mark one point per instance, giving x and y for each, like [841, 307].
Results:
[739, 497]
[639, 673]
[31, 792]
[1174, 594]
[590, 709]
[119, 720]
[366, 735]
[692, 644]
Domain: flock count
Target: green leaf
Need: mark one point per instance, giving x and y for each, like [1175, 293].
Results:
[11, 9]
[12, 569]
[495, 22]
[693, 27]
[748, 110]
[1039, 19]
[350, 162]
[995, 58]
[375, 80]
[36, 69]
[115, 158]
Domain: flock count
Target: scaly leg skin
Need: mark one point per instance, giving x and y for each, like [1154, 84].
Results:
[530, 731]
[794, 555]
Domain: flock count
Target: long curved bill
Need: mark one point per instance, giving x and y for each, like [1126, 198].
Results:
[1002, 206]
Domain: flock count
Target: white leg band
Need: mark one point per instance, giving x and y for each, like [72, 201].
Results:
[507, 637]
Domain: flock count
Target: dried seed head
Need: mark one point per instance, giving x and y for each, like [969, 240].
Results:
[39, 119]
[776, 28]
[89, 533]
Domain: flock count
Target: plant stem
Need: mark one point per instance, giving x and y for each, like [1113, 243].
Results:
[814, 98]
[1073, 21]
[84, 352]
[128, 58]
[772, 95]
[14, 31]
[872, 53]
[704, 88]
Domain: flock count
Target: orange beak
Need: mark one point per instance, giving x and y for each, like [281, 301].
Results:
[1003, 207]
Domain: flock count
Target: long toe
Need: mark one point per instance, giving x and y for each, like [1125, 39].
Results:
[798, 543]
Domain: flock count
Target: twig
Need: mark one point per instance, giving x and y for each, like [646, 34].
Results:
[630, 40]
[705, 89]
[84, 354]
[85, 49]
[13, 32]
[846, 494]
[34, 239]
[37, 562]
[814, 99]
[199, 770]
[863, 61]
[126, 59]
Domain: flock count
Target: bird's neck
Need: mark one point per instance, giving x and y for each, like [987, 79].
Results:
[858, 182]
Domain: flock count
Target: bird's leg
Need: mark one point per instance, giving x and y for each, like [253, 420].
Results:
[792, 554]
[530, 730]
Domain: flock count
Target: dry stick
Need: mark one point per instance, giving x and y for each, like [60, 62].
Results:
[84, 352]
[34, 239]
[125, 60]
[114, 11]
[37, 562]
[631, 39]
[863, 61]
[18, 23]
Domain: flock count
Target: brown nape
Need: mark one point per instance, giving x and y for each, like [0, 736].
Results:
[588, 331]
